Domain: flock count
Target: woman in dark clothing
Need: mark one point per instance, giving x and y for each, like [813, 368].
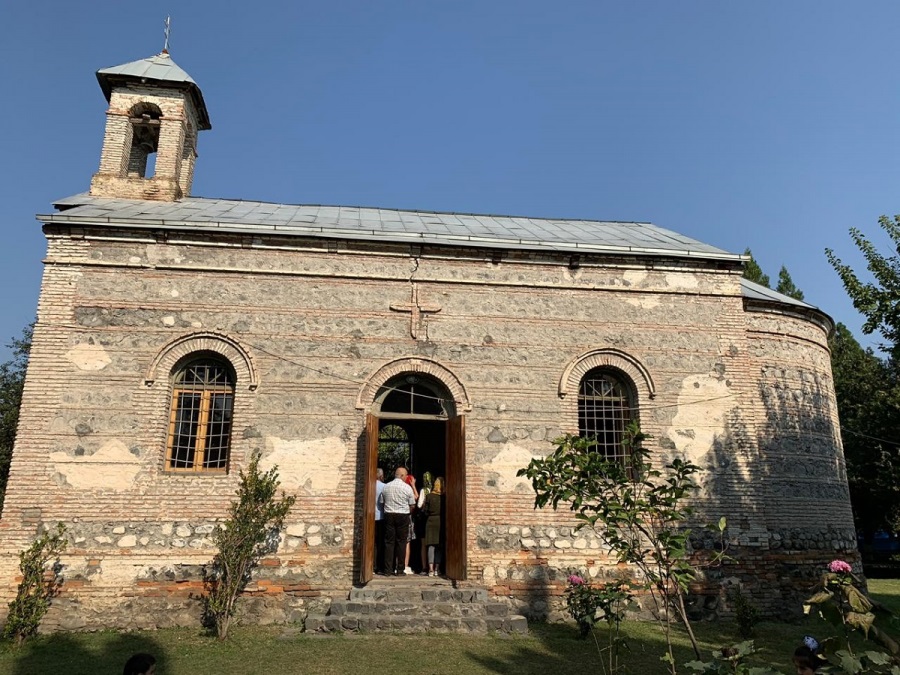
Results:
[434, 504]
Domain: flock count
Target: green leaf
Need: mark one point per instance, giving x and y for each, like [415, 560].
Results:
[877, 658]
[698, 666]
[848, 662]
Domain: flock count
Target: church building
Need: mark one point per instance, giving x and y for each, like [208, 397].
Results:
[178, 336]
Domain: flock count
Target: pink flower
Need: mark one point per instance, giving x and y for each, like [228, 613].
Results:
[576, 580]
[839, 567]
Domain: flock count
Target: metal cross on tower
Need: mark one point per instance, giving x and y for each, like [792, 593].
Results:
[166, 44]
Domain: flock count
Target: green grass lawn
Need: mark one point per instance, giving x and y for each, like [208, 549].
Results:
[549, 649]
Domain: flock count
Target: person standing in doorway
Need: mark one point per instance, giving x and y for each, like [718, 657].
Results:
[411, 534]
[399, 501]
[434, 526]
[379, 522]
[419, 520]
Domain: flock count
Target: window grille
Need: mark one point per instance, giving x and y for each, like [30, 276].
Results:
[604, 410]
[200, 421]
[394, 447]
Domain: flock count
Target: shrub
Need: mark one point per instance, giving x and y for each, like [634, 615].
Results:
[39, 584]
[251, 531]
[745, 612]
[589, 604]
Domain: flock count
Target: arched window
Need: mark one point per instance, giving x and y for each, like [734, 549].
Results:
[605, 405]
[412, 395]
[200, 419]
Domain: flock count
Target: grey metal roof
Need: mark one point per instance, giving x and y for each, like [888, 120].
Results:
[158, 69]
[755, 291]
[353, 222]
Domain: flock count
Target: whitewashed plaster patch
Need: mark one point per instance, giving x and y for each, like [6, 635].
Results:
[507, 463]
[310, 465]
[680, 280]
[87, 356]
[697, 424]
[112, 467]
[634, 277]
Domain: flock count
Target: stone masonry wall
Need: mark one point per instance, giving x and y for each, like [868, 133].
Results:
[306, 327]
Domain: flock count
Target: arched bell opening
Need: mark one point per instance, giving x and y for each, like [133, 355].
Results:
[145, 126]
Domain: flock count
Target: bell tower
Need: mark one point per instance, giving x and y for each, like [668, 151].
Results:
[150, 144]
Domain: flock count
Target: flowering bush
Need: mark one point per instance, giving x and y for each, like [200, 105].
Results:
[839, 567]
[846, 606]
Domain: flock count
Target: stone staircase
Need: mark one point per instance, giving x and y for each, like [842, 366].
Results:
[416, 605]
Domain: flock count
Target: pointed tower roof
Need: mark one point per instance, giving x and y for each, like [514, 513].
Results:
[159, 70]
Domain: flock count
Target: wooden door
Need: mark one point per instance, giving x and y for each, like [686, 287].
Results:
[455, 521]
[370, 465]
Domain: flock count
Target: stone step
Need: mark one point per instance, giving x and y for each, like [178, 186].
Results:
[416, 595]
[416, 605]
[320, 623]
[422, 608]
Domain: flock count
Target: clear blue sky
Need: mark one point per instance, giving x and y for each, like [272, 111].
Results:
[774, 125]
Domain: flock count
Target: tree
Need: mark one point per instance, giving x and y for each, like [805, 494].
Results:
[877, 300]
[753, 271]
[867, 391]
[868, 387]
[638, 511]
[12, 380]
[251, 531]
[786, 285]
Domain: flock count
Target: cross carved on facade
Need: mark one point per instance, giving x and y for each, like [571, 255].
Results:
[417, 314]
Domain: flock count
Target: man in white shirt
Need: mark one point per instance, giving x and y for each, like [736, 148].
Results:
[398, 501]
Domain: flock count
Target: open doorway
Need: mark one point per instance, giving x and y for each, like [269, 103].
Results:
[418, 445]
[413, 423]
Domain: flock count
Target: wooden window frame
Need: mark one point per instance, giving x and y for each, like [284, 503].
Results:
[206, 394]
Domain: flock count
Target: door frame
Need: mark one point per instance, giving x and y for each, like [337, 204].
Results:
[455, 459]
